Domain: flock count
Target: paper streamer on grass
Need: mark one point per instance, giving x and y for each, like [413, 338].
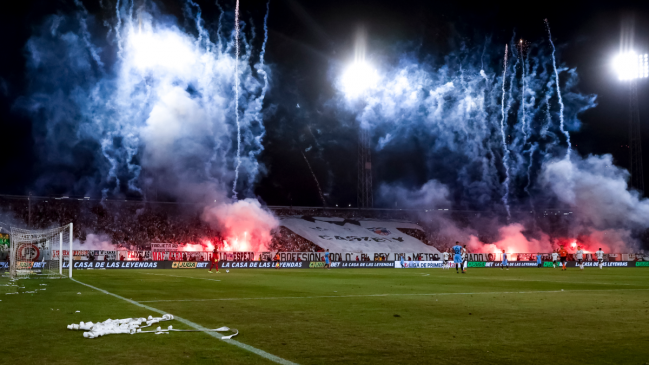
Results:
[135, 325]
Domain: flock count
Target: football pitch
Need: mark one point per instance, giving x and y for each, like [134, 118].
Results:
[351, 316]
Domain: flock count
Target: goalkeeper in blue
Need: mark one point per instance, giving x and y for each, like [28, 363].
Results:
[457, 257]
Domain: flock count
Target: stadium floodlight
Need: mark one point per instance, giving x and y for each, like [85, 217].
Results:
[631, 66]
[358, 78]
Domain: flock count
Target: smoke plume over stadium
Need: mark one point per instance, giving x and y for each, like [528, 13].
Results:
[495, 130]
[142, 101]
[153, 105]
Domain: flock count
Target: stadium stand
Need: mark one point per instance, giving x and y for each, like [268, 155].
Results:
[363, 235]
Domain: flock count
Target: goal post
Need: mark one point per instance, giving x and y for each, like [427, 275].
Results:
[40, 253]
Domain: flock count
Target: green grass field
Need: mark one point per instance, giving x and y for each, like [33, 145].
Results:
[353, 316]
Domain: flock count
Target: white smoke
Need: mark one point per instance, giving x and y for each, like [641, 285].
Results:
[598, 194]
[92, 242]
[431, 195]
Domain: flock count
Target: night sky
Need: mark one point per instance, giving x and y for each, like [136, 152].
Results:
[307, 38]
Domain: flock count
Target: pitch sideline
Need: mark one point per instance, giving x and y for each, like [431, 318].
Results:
[254, 350]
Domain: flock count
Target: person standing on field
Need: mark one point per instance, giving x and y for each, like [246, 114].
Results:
[457, 257]
[555, 258]
[504, 263]
[465, 253]
[580, 257]
[215, 261]
[539, 260]
[564, 256]
[600, 257]
[326, 259]
[445, 265]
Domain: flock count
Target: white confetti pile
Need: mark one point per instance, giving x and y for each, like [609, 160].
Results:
[135, 325]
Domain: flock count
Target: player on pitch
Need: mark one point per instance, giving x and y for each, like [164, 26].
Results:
[215, 261]
[445, 265]
[600, 257]
[465, 256]
[580, 257]
[327, 259]
[564, 256]
[555, 258]
[504, 263]
[457, 257]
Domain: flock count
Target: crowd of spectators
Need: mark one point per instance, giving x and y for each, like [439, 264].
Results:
[130, 224]
[287, 241]
[126, 222]
[139, 223]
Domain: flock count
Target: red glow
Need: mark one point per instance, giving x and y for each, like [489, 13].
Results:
[245, 225]
[513, 240]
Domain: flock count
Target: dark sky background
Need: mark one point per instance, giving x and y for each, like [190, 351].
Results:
[307, 37]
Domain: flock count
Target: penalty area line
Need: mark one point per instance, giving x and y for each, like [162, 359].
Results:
[387, 295]
[254, 350]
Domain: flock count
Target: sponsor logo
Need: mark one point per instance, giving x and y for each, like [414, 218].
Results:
[316, 264]
[183, 265]
[476, 264]
[24, 265]
[645, 264]
[380, 231]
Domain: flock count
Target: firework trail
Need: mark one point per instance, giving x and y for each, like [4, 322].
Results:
[512, 82]
[81, 16]
[236, 99]
[502, 132]
[482, 73]
[218, 29]
[262, 54]
[201, 31]
[324, 203]
[117, 27]
[529, 173]
[524, 121]
[556, 76]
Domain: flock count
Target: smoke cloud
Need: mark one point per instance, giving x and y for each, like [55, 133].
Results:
[149, 106]
[451, 109]
[246, 223]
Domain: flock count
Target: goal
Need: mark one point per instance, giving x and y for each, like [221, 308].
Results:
[43, 253]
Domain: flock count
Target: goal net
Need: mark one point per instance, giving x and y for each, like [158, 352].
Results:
[40, 253]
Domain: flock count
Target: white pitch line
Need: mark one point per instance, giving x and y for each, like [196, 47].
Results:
[178, 276]
[254, 350]
[383, 295]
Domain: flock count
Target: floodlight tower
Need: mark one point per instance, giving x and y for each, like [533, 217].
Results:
[364, 192]
[631, 67]
[358, 79]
